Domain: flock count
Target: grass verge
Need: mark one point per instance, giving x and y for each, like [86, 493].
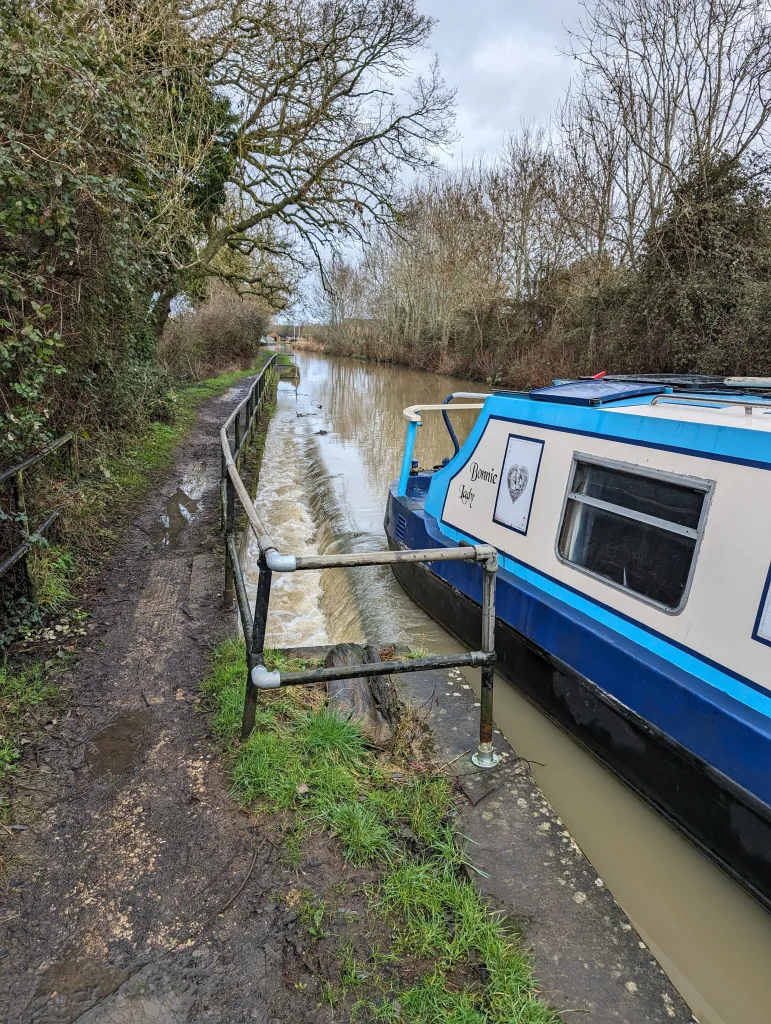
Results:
[441, 953]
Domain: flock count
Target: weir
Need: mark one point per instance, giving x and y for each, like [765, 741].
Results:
[271, 560]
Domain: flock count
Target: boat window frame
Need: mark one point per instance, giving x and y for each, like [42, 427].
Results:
[700, 483]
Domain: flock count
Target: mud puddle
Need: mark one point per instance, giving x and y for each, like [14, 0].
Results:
[181, 508]
[76, 984]
[116, 747]
[152, 995]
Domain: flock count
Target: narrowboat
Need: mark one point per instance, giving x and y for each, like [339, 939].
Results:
[633, 601]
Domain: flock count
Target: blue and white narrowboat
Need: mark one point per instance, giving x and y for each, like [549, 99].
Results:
[633, 599]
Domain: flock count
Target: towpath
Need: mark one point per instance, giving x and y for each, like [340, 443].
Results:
[116, 886]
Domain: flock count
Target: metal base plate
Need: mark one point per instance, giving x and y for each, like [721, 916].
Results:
[486, 759]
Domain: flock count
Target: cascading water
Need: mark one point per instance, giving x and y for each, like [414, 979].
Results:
[296, 617]
[310, 492]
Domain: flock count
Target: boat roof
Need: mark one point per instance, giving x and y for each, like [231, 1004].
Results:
[758, 418]
[743, 402]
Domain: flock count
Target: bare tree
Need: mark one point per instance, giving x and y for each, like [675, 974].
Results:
[522, 186]
[327, 114]
[690, 83]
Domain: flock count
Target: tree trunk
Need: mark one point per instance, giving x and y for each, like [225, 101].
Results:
[367, 702]
[162, 309]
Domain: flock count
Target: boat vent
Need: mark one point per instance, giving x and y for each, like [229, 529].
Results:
[401, 527]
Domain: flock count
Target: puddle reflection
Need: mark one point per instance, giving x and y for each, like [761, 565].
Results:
[181, 508]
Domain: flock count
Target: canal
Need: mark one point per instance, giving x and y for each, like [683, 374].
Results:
[332, 449]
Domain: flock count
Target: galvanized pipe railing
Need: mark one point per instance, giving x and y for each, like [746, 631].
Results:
[15, 477]
[271, 560]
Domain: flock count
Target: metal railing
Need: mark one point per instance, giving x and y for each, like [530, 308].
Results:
[271, 561]
[413, 417]
[747, 403]
[14, 479]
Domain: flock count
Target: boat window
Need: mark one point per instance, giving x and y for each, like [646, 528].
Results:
[636, 530]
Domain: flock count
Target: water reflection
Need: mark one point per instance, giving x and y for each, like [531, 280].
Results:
[181, 507]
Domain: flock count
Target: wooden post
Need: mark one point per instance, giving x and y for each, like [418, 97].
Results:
[20, 505]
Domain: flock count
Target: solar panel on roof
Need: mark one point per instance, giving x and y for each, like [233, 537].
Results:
[595, 392]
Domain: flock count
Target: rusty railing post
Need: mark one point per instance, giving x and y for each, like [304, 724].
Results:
[20, 505]
[256, 645]
[485, 756]
[73, 459]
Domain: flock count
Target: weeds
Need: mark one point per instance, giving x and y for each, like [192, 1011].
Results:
[52, 569]
[353, 972]
[312, 913]
[448, 957]
[23, 696]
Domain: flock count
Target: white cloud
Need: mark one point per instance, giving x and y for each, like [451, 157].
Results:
[504, 60]
[511, 56]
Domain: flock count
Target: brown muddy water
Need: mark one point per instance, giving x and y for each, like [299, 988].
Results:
[333, 447]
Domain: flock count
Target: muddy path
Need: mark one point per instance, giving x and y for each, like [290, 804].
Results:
[140, 892]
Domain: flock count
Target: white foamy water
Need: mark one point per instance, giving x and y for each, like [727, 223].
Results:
[295, 616]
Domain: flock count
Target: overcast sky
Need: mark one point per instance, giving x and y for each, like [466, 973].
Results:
[503, 57]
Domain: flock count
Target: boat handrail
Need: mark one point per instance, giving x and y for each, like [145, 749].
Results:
[412, 415]
[446, 418]
[412, 412]
[748, 403]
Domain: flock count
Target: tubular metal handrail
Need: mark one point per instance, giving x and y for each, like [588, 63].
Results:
[14, 476]
[412, 412]
[271, 560]
[37, 457]
[748, 403]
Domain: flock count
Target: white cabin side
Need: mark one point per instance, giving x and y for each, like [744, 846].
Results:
[732, 558]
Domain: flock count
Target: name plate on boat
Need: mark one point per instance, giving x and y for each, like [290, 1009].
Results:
[496, 484]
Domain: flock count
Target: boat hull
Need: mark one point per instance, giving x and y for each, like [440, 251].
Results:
[722, 818]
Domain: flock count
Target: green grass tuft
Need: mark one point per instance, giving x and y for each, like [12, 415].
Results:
[316, 770]
[23, 696]
[364, 836]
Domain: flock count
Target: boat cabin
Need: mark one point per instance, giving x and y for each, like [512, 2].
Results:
[634, 607]
[651, 505]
